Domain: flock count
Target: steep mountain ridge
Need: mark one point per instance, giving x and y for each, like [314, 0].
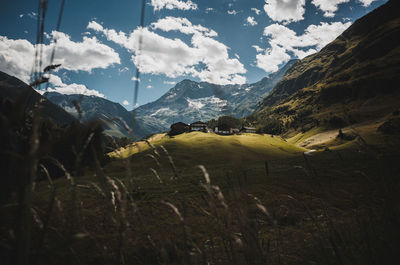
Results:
[189, 101]
[112, 114]
[347, 78]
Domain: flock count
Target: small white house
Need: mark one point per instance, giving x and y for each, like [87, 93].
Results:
[248, 129]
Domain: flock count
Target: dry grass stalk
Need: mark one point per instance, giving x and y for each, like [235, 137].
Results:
[171, 161]
[156, 175]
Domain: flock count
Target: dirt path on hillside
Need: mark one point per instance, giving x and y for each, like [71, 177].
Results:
[326, 136]
[319, 138]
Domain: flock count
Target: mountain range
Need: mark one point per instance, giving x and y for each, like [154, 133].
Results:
[354, 78]
[187, 101]
[116, 120]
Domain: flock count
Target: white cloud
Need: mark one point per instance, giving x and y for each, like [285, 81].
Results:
[182, 25]
[149, 86]
[169, 82]
[257, 11]
[62, 88]
[258, 49]
[95, 26]
[270, 60]
[314, 35]
[209, 9]
[32, 15]
[366, 2]
[205, 57]
[135, 79]
[250, 21]
[17, 56]
[328, 6]
[285, 11]
[124, 69]
[173, 4]
[47, 35]
[85, 56]
[125, 103]
[232, 12]
[285, 43]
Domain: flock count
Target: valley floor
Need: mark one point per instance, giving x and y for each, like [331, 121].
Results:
[200, 198]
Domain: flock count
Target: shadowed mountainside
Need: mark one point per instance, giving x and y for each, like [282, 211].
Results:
[112, 114]
[13, 88]
[355, 77]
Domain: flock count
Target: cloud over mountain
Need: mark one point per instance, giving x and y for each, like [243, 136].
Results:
[205, 57]
[17, 56]
[328, 6]
[69, 89]
[366, 2]
[285, 43]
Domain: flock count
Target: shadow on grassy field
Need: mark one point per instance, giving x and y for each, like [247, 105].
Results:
[200, 198]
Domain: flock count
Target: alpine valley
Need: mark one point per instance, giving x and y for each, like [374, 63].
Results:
[346, 82]
[299, 168]
[187, 101]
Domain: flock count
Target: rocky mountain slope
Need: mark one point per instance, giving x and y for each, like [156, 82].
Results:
[189, 101]
[353, 79]
[116, 119]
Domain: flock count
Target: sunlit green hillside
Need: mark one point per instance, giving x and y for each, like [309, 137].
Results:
[203, 146]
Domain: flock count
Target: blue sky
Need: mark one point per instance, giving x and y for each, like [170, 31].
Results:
[219, 41]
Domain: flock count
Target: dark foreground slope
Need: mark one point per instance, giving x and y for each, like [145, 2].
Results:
[261, 201]
[12, 88]
[355, 77]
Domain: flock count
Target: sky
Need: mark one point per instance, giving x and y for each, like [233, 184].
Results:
[216, 41]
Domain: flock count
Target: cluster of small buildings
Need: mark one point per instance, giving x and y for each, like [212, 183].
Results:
[199, 126]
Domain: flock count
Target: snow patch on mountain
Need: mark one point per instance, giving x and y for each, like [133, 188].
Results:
[249, 88]
[195, 103]
[163, 111]
[70, 110]
[171, 96]
[212, 101]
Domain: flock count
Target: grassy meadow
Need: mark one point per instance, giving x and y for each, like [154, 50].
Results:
[201, 198]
